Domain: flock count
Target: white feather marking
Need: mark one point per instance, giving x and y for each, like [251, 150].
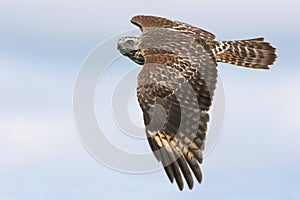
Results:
[224, 46]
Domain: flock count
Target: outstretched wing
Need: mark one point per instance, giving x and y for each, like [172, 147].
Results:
[175, 89]
[149, 22]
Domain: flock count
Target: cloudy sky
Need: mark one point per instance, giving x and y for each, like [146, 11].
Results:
[43, 46]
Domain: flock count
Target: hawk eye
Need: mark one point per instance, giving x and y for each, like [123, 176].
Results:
[129, 42]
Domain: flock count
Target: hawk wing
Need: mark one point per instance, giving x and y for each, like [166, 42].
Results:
[175, 89]
[149, 22]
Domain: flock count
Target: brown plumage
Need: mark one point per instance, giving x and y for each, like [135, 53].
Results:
[254, 53]
[176, 86]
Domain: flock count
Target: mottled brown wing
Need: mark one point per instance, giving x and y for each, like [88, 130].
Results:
[175, 89]
[149, 22]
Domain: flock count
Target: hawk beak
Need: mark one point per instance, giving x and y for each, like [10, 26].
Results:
[119, 44]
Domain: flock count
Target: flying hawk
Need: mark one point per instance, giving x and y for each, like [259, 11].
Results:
[176, 86]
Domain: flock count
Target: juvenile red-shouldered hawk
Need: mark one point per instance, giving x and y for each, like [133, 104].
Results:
[176, 86]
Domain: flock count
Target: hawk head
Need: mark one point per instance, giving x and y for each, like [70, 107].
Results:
[129, 46]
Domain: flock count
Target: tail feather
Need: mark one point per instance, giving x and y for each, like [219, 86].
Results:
[254, 53]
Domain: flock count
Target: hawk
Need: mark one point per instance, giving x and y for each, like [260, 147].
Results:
[176, 86]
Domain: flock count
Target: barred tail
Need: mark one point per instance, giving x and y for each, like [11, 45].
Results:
[254, 53]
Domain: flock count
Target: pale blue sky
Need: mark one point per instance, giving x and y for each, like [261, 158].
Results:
[42, 46]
